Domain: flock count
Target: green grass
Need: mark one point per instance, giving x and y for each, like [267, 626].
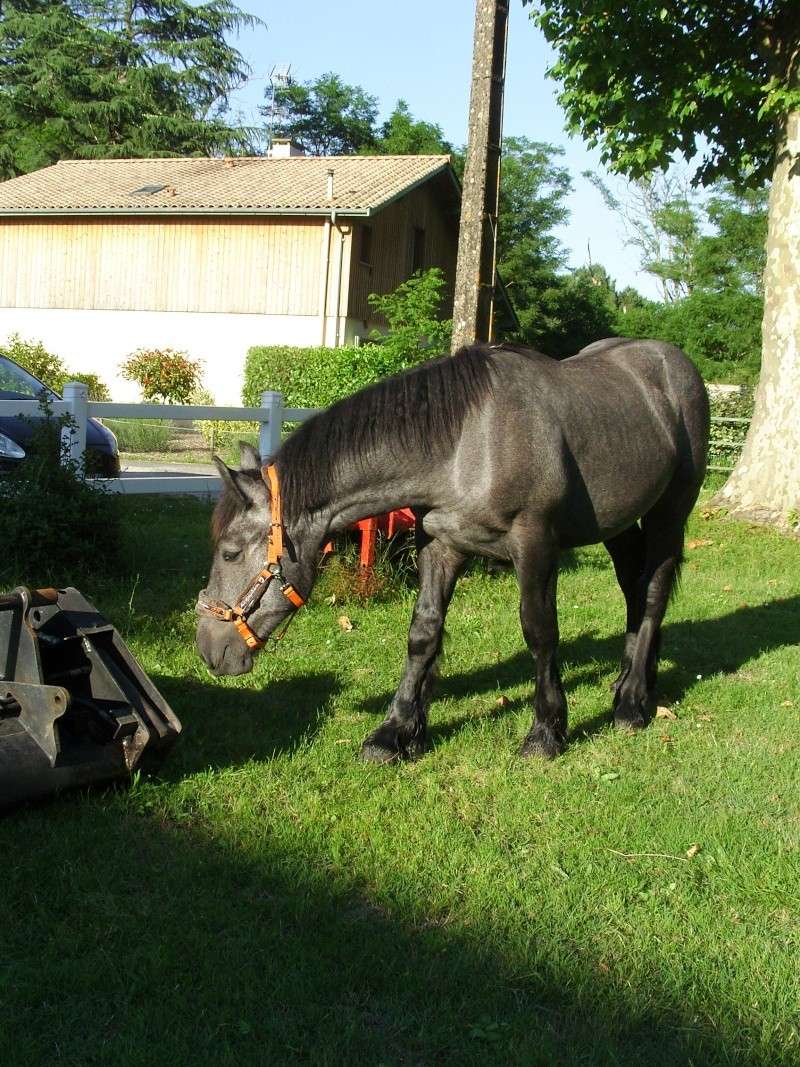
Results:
[271, 900]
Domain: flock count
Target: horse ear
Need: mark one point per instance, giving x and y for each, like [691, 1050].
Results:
[229, 478]
[249, 459]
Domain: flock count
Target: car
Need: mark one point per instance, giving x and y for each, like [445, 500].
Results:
[16, 432]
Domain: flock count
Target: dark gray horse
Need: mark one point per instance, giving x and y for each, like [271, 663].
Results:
[501, 452]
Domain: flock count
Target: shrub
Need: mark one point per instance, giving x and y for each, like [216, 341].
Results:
[55, 525]
[34, 357]
[415, 331]
[163, 374]
[727, 439]
[720, 332]
[317, 377]
[311, 377]
[49, 368]
[219, 435]
[98, 390]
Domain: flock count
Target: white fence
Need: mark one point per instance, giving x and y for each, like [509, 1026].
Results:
[271, 416]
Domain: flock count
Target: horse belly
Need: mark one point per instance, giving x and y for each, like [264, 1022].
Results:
[467, 533]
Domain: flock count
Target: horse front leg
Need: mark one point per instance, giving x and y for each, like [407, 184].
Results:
[537, 573]
[402, 734]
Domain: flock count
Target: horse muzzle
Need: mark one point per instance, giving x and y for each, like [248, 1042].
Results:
[222, 649]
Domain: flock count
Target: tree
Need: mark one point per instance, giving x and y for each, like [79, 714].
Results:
[326, 117]
[646, 81]
[558, 313]
[660, 220]
[403, 135]
[107, 78]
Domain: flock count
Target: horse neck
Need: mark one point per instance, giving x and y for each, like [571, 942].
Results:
[390, 477]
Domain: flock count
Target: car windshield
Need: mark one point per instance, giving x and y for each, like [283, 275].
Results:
[14, 379]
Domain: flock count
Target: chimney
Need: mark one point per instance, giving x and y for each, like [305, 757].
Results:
[283, 148]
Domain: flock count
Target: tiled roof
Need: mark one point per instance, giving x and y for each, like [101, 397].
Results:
[294, 185]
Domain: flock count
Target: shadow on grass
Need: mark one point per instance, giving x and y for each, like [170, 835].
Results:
[142, 939]
[707, 646]
[227, 726]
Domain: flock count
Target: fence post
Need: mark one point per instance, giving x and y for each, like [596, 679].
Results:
[73, 438]
[269, 440]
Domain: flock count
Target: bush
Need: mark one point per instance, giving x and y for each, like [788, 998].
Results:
[34, 357]
[317, 377]
[55, 526]
[164, 375]
[727, 439]
[312, 377]
[220, 435]
[415, 330]
[720, 332]
[98, 390]
[49, 368]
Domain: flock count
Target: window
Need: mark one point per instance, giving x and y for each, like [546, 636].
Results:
[365, 252]
[418, 249]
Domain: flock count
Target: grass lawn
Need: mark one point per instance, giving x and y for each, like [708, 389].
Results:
[271, 900]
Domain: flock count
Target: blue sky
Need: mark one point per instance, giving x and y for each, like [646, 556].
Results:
[421, 51]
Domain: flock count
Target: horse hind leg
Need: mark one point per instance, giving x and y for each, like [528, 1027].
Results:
[664, 554]
[403, 733]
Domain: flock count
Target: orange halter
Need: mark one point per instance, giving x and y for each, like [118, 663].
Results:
[250, 598]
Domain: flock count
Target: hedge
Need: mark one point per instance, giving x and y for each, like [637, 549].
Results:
[314, 377]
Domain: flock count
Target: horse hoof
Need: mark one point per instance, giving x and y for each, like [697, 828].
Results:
[629, 725]
[541, 746]
[371, 752]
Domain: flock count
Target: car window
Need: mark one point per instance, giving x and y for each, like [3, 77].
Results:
[14, 379]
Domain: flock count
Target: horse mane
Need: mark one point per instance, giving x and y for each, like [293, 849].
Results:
[421, 409]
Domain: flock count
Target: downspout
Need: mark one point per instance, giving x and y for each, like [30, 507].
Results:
[323, 278]
[339, 263]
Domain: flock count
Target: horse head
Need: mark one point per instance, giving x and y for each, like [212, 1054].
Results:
[260, 573]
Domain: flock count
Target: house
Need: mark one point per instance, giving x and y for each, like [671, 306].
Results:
[211, 256]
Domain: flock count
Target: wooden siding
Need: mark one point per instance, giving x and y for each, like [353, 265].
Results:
[425, 208]
[224, 264]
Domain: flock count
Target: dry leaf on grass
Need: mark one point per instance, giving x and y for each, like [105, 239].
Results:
[502, 702]
[331, 599]
[345, 623]
[692, 851]
[663, 712]
[699, 542]
[787, 704]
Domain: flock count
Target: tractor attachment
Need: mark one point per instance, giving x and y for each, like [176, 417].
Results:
[75, 706]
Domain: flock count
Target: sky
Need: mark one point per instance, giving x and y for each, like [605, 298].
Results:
[421, 51]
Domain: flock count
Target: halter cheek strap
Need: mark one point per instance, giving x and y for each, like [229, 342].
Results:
[251, 597]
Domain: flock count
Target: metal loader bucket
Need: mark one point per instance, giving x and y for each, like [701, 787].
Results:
[75, 706]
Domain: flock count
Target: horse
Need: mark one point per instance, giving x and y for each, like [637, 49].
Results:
[501, 452]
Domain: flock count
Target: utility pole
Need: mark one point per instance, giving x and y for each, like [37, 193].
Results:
[473, 307]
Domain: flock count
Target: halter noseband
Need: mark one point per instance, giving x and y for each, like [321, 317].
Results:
[250, 598]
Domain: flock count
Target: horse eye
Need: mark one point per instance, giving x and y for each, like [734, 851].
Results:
[230, 554]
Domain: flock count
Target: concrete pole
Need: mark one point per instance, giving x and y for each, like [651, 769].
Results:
[270, 434]
[473, 307]
[73, 438]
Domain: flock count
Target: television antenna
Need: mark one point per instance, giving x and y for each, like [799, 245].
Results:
[280, 77]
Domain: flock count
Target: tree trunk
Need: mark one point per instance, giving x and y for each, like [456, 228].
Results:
[765, 486]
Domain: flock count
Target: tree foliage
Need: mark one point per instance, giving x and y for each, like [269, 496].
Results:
[325, 116]
[648, 80]
[403, 135]
[558, 313]
[111, 79]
